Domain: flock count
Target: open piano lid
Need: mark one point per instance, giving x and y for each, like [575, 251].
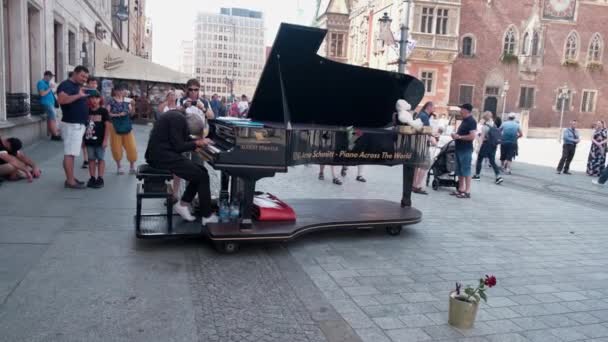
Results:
[298, 86]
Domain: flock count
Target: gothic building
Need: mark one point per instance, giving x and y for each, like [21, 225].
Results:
[354, 37]
[520, 56]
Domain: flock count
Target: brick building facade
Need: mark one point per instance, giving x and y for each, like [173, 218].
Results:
[536, 47]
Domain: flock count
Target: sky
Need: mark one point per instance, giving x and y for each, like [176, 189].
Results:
[173, 20]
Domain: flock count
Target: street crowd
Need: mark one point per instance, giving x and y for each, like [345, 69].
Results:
[90, 123]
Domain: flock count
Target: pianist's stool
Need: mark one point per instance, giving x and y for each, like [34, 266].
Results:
[153, 185]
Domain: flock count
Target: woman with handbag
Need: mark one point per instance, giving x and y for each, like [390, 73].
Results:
[121, 131]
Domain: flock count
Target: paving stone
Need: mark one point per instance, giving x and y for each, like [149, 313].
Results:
[497, 302]
[569, 296]
[372, 335]
[390, 299]
[365, 300]
[389, 323]
[507, 338]
[501, 313]
[408, 335]
[567, 334]
[540, 336]
[361, 290]
[594, 330]
[558, 321]
[445, 331]
[503, 326]
[585, 318]
[419, 320]
[529, 323]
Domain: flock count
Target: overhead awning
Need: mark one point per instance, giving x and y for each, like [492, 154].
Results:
[114, 63]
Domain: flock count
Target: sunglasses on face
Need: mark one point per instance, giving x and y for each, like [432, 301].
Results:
[193, 89]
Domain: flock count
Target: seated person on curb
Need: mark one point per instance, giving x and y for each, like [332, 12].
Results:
[168, 140]
[14, 164]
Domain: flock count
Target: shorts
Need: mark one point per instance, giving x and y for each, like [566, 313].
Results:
[72, 134]
[463, 163]
[50, 112]
[508, 151]
[96, 152]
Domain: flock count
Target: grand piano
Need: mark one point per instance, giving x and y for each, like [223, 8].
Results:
[310, 110]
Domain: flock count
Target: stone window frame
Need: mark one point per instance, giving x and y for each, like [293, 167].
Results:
[515, 35]
[556, 103]
[585, 105]
[532, 102]
[434, 77]
[572, 54]
[535, 44]
[473, 45]
[460, 92]
[600, 40]
[525, 44]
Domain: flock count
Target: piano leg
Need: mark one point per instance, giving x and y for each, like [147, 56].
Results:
[408, 180]
[248, 187]
[224, 182]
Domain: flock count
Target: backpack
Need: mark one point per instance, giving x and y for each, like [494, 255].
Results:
[493, 137]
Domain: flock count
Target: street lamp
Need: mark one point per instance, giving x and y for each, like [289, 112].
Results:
[505, 89]
[564, 95]
[122, 12]
[385, 24]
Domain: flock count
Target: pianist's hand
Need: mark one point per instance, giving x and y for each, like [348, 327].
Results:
[203, 142]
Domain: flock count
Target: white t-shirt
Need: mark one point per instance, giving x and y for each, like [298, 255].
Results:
[243, 107]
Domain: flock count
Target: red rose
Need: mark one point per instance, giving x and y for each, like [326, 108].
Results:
[490, 281]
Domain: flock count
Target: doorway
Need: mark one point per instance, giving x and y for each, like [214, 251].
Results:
[58, 49]
[490, 104]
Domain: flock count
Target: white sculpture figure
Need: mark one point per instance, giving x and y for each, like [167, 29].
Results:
[405, 117]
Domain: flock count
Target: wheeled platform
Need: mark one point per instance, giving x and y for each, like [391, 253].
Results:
[313, 215]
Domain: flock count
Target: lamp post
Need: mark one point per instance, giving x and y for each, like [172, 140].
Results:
[385, 26]
[564, 95]
[505, 89]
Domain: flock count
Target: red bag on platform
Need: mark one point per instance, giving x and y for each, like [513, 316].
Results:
[266, 207]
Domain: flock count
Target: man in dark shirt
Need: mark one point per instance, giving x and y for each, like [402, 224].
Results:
[464, 151]
[72, 98]
[168, 140]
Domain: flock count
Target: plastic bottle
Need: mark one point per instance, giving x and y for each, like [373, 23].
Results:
[224, 211]
[235, 210]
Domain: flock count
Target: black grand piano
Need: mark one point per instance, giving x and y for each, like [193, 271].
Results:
[316, 111]
[310, 110]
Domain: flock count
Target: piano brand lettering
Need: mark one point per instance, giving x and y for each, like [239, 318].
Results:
[267, 148]
[325, 155]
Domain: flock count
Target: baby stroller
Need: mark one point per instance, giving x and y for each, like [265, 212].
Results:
[443, 168]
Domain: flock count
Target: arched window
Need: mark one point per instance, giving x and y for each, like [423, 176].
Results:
[510, 41]
[525, 44]
[467, 46]
[535, 44]
[595, 49]
[571, 46]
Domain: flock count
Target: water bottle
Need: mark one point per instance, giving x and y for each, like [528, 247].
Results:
[235, 210]
[224, 211]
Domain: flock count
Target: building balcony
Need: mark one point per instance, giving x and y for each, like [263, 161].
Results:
[530, 64]
[433, 41]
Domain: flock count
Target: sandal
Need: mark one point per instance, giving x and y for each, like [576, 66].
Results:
[455, 193]
[361, 179]
[337, 181]
[419, 191]
[463, 195]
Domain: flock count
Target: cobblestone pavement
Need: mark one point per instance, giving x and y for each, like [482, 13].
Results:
[71, 269]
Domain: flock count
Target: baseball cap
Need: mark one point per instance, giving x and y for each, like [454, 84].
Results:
[467, 106]
[48, 73]
[512, 116]
[94, 93]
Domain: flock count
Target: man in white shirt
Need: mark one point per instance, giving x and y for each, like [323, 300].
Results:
[243, 106]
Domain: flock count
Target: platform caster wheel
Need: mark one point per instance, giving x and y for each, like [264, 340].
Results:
[228, 247]
[393, 230]
[435, 185]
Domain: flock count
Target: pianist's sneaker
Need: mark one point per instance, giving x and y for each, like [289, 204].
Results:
[183, 211]
[211, 219]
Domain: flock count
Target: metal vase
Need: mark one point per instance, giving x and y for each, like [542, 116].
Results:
[462, 314]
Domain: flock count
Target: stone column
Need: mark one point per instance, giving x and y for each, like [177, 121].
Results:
[18, 45]
[37, 47]
[2, 73]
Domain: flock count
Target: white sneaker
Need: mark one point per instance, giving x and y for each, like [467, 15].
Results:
[211, 219]
[183, 211]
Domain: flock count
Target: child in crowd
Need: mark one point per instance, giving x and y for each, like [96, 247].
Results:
[96, 139]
